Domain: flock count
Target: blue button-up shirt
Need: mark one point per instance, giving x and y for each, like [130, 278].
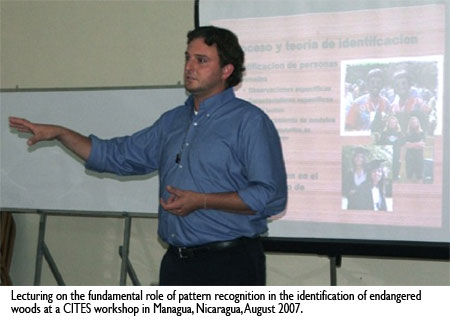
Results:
[228, 146]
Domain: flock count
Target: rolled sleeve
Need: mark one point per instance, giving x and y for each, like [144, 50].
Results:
[95, 160]
[129, 155]
[266, 192]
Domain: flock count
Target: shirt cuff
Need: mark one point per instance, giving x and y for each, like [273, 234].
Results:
[95, 161]
[263, 201]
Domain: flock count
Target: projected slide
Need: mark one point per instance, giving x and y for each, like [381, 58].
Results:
[357, 97]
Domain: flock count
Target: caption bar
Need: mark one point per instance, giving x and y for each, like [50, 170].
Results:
[299, 303]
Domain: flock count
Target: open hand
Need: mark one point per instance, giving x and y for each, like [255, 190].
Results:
[40, 132]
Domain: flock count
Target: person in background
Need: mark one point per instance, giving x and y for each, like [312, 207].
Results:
[408, 103]
[371, 194]
[220, 165]
[414, 145]
[357, 175]
[369, 111]
[392, 135]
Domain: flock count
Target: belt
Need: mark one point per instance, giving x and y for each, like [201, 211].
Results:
[195, 251]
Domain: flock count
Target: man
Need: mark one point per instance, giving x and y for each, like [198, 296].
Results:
[220, 166]
[368, 111]
[408, 103]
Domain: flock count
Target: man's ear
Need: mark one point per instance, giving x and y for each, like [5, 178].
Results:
[227, 71]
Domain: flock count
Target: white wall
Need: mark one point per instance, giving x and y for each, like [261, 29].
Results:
[52, 44]
[76, 43]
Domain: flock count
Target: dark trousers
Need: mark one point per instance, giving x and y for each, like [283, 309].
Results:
[242, 264]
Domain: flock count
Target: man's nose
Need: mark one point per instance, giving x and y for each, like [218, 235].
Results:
[189, 64]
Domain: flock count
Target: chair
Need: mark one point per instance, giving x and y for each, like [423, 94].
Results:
[8, 234]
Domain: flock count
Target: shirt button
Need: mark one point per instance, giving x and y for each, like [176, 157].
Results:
[207, 115]
[186, 144]
[195, 124]
[172, 235]
[180, 166]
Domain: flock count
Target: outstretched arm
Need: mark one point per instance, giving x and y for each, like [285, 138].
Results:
[77, 143]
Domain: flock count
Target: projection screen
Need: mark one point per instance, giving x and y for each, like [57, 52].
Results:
[332, 75]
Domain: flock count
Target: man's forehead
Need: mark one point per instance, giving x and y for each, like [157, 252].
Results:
[199, 45]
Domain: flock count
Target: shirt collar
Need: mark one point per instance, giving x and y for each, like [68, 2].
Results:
[213, 103]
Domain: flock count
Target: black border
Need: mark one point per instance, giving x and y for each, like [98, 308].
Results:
[340, 247]
[196, 13]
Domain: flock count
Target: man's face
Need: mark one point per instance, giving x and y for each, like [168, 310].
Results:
[203, 76]
[375, 84]
[401, 86]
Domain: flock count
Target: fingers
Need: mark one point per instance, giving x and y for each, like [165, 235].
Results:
[23, 126]
[178, 202]
[171, 198]
[18, 121]
[40, 132]
[32, 140]
[172, 206]
[20, 124]
[13, 119]
[171, 203]
[163, 203]
[174, 191]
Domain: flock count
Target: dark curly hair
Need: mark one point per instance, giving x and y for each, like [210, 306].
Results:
[228, 48]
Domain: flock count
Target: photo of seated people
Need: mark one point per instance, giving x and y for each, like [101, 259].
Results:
[367, 178]
[395, 103]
